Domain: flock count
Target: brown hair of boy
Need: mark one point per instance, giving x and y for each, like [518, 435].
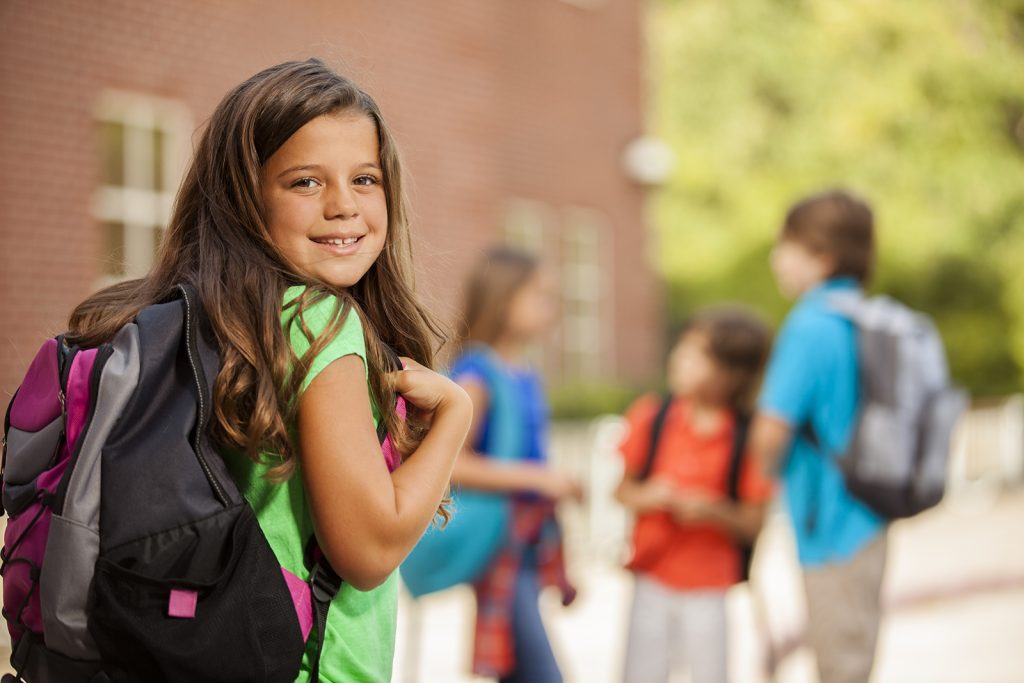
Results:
[739, 342]
[839, 224]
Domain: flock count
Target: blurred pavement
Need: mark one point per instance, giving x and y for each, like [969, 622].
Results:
[955, 596]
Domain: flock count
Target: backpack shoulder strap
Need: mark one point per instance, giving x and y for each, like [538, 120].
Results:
[657, 427]
[324, 584]
[739, 449]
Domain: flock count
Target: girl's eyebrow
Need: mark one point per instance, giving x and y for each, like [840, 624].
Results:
[292, 169]
[317, 167]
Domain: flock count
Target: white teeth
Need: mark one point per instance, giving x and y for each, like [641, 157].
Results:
[334, 241]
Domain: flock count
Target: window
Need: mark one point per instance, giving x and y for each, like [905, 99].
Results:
[585, 332]
[527, 224]
[530, 225]
[572, 243]
[143, 145]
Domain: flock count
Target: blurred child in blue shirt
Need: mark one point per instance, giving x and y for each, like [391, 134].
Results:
[807, 414]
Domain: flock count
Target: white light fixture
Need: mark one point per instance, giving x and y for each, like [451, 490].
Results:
[649, 160]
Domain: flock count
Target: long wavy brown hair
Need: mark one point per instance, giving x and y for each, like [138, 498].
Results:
[218, 242]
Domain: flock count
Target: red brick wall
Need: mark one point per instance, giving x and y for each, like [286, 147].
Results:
[528, 98]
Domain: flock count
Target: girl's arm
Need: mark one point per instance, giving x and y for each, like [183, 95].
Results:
[367, 519]
[644, 496]
[475, 471]
[743, 521]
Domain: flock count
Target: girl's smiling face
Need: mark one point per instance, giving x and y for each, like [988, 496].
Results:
[323, 193]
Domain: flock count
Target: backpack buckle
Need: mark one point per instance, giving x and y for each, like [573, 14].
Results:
[324, 582]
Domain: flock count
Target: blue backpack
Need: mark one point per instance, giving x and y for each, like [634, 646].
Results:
[460, 551]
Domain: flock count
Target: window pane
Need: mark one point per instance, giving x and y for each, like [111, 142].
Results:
[113, 251]
[159, 143]
[112, 152]
[139, 157]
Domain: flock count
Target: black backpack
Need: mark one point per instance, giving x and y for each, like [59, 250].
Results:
[736, 459]
[130, 554]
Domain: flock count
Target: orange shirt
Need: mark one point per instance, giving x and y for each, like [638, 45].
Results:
[690, 556]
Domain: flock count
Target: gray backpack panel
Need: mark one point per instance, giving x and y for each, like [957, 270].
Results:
[74, 541]
[897, 460]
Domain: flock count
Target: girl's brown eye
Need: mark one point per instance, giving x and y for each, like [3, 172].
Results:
[301, 182]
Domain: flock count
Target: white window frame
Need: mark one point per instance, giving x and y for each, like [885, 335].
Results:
[588, 334]
[532, 226]
[136, 204]
[528, 223]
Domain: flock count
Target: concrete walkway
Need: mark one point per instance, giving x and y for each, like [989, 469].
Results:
[954, 595]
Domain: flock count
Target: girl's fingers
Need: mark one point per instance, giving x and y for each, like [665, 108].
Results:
[400, 378]
[410, 363]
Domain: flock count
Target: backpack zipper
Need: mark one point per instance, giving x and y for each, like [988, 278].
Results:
[103, 354]
[198, 375]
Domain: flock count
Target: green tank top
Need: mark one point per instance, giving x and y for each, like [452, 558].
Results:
[360, 636]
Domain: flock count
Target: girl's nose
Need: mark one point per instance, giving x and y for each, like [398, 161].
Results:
[341, 203]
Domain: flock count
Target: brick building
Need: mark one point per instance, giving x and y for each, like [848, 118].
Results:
[512, 115]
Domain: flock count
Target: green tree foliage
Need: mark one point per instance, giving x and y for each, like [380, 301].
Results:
[918, 105]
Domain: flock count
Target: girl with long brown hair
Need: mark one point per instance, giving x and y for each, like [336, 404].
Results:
[504, 538]
[292, 225]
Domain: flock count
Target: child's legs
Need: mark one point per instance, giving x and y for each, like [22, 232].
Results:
[703, 635]
[843, 614]
[652, 632]
[535, 662]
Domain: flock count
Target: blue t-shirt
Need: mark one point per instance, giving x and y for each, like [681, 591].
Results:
[812, 378]
[526, 389]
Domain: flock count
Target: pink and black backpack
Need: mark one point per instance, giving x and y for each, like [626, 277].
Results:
[129, 553]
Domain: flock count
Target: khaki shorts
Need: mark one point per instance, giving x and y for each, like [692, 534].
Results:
[844, 612]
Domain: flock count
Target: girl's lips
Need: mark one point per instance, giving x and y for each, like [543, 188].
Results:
[334, 247]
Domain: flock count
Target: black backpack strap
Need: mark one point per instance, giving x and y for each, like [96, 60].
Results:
[739, 449]
[657, 427]
[740, 438]
[324, 584]
[808, 432]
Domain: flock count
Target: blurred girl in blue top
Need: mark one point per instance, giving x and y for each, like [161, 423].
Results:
[511, 303]
[807, 412]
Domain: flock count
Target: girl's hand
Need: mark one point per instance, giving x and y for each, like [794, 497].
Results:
[657, 494]
[429, 391]
[559, 486]
[692, 507]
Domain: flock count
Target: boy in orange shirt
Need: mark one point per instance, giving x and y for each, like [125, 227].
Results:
[699, 503]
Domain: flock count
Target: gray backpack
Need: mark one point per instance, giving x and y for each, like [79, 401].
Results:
[897, 459]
